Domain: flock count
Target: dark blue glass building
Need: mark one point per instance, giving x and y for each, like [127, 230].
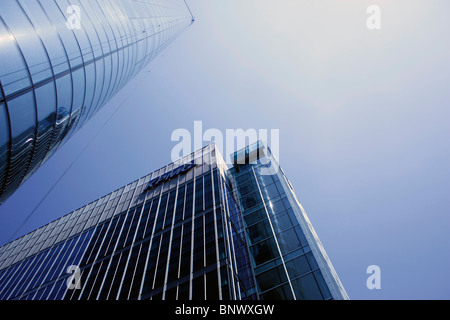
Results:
[288, 259]
[61, 61]
[192, 230]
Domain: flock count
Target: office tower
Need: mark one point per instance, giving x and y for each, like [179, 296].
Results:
[61, 61]
[288, 259]
[194, 229]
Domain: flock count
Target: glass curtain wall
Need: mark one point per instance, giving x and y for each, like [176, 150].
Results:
[61, 61]
[177, 239]
[288, 259]
[193, 230]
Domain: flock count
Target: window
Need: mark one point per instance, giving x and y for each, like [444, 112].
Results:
[288, 241]
[23, 117]
[254, 217]
[247, 187]
[306, 288]
[264, 251]
[14, 73]
[271, 278]
[259, 231]
[280, 293]
[251, 200]
[298, 267]
[4, 135]
[270, 192]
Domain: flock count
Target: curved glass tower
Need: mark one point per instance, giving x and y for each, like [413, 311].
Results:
[61, 61]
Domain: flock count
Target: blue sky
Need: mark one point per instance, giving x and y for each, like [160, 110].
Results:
[363, 119]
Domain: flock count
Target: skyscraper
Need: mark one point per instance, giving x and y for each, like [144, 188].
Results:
[288, 259]
[194, 229]
[61, 61]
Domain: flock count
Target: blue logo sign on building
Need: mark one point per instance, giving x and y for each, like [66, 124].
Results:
[170, 175]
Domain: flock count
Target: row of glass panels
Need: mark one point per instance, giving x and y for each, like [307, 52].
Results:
[142, 235]
[102, 209]
[283, 263]
[203, 226]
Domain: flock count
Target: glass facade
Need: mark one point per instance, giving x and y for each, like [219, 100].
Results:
[55, 75]
[287, 257]
[192, 230]
[179, 238]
